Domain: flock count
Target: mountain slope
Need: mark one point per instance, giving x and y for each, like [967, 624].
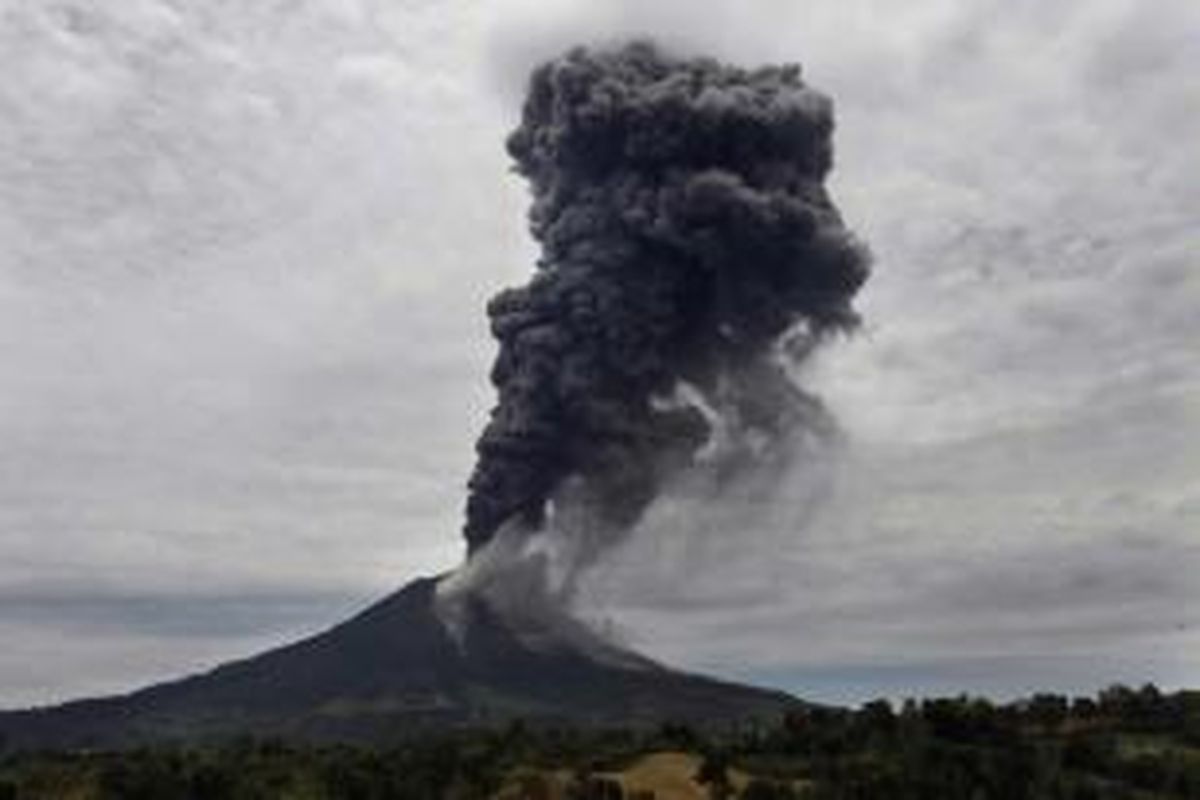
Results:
[393, 669]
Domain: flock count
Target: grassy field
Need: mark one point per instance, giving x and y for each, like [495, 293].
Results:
[667, 775]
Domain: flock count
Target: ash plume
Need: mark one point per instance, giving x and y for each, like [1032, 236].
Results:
[691, 257]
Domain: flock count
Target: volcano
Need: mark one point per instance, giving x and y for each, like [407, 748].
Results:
[394, 670]
[691, 261]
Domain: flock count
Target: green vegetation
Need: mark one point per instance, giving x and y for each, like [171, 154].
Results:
[1123, 745]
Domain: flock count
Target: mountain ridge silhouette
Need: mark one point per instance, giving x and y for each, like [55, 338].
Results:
[393, 670]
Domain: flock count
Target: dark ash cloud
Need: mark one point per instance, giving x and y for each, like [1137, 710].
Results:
[690, 254]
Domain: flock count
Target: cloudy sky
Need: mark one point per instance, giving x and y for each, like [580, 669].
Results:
[244, 249]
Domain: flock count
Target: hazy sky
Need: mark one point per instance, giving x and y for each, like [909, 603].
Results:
[244, 251]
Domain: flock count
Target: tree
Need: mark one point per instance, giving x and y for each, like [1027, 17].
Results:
[759, 789]
[714, 773]
[678, 735]
[879, 720]
[594, 788]
[1048, 710]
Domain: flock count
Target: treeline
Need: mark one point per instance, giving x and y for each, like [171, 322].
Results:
[1124, 744]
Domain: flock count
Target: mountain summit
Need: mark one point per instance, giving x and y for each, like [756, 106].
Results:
[394, 669]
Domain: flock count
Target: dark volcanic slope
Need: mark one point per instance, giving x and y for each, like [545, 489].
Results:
[392, 669]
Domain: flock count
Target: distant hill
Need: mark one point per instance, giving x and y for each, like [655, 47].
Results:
[392, 670]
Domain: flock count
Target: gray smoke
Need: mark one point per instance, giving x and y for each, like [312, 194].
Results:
[691, 257]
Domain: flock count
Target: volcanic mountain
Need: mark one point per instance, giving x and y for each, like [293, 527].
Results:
[691, 261]
[395, 669]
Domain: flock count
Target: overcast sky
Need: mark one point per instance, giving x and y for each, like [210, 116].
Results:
[244, 251]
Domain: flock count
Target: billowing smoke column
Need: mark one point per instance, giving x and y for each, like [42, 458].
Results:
[690, 252]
